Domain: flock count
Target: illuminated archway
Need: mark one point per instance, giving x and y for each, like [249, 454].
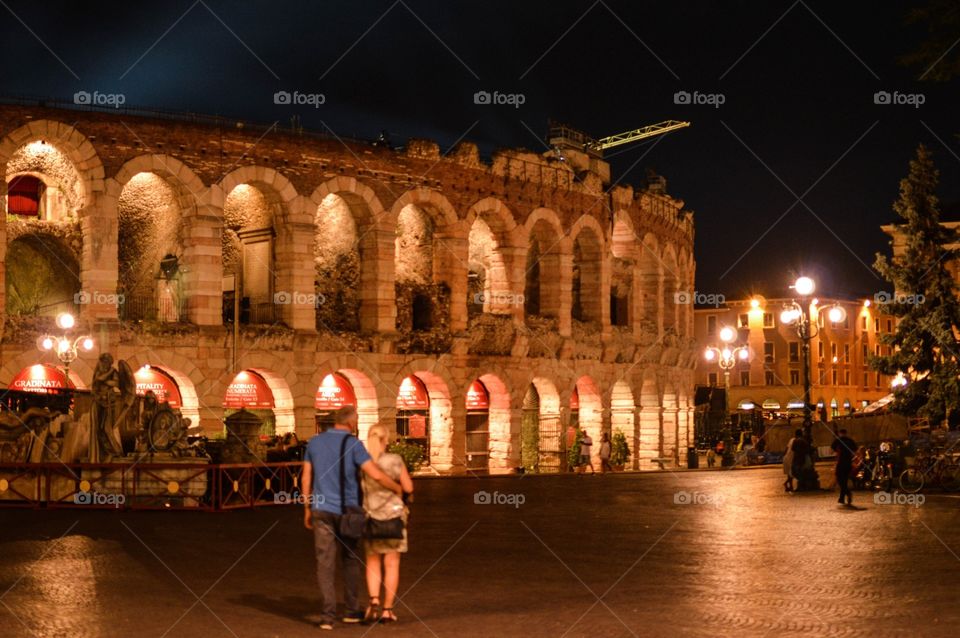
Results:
[170, 386]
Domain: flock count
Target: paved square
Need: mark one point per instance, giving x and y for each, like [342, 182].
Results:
[712, 553]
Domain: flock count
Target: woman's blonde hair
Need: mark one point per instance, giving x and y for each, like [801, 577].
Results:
[377, 439]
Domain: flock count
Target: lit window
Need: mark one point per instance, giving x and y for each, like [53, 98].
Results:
[768, 352]
[768, 378]
[768, 320]
[743, 320]
[711, 325]
[744, 377]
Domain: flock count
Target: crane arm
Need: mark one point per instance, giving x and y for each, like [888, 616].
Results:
[640, 133]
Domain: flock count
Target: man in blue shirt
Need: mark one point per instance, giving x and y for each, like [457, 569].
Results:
[320, 482]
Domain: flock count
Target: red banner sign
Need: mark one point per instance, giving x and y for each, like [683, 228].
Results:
[575, 400]
[334, 392]
[40, 378]
[248, 390]
[418, 426]
[477, 396]
[412, 395]
[166, 389]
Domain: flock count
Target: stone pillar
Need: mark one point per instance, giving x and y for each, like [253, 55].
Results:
[670, 426]
[515, 262]
[504, 455]
[203, 264]
[306, 425]
[211, 419]
[3, 254]
[450, 256]
[378, 304]
[447, 436]
[565, 277]
[293, 260]
[98, 263]
[650, 437]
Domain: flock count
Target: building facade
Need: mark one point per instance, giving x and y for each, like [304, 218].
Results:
[481, 307]
[772, 377]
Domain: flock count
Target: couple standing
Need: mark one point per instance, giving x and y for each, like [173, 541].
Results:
[336, 468]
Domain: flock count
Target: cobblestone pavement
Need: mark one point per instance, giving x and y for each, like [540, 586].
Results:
[710, 553]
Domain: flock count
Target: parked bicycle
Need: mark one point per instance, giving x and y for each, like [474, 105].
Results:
[931, 470]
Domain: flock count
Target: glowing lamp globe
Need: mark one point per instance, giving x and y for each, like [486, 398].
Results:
[744, 354]
[804, 286]
[836, 314]
[66, 321]
[709, 355]
[727, 334]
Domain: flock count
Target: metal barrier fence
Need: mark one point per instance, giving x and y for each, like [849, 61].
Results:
[149, 486]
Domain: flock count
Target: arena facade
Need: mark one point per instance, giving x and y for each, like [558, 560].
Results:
[483, 307]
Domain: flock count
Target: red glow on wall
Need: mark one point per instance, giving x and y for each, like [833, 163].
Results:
[41, 379]
[166, 389]
[334, 392]
[248, 390]
[477, 396]
[413, 395]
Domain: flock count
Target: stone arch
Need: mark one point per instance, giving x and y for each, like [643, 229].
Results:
[97, 266]
[188, 378]
[429, 263]
[490, 256]
[81, 369]
[544, 274]
[438, 382]
[261, 225]
[541, 432]
[588, 271]
[376, 399]
[500, 447]
[623, 416]
[347, 254]
[43, 275]
[590, 413]
[191, 289]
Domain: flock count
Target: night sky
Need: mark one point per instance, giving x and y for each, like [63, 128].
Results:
[798, 82]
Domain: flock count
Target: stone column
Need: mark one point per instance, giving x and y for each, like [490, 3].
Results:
[98, 263]
[565, 277]
[515, 262]
[305, 422]
[650, 437]
[670, 426]
[447, 436]
[450, 265]
[378, 304]
[203, 264]
[293, 261]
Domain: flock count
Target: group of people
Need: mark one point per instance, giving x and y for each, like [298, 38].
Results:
[586, 449]
[341, 475]
[798, 464]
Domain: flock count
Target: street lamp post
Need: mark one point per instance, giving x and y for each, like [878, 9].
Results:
[64, 347]
[727, 354]
[798, 314]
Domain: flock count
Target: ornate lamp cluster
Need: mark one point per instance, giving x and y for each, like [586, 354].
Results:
[728, 353]
[65, 347]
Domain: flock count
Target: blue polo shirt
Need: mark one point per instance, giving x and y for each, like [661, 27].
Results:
[323, 453]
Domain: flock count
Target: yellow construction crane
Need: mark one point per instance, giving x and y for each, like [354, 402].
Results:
[561, 136]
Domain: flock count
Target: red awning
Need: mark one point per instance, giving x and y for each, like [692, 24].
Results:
[334, 392]
[23, 195]
[477, 396]
[166, 389]
[248, 390]
[413, 395]
[40, 378]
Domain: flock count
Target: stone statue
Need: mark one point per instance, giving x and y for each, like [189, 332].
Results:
[107, 400]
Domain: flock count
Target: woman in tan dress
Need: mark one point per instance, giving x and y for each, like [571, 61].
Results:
[382, 504]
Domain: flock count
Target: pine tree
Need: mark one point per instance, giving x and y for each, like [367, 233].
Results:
[924, 345]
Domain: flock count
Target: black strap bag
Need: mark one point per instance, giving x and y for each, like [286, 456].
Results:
[353, 520]
[392, 528]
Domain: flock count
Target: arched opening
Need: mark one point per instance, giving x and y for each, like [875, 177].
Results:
[586, 413]
[477, 447]
[623, 417]
[43, 184]
[150, 235]
[541, 293]
[42, 277]
[542, 447]
[488, 289]
[248, 255]
[423, 296]
[266, 395]
[334, 392]
[43, 378]
[587, 289]
[834, 408]
[621, 277]
[336, 256]
[171, 387]
[413, 413]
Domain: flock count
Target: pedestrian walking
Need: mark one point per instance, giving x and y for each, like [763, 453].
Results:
[330, 468]
[711, 457]
[845, 448]
[381, 504]
[605, 449]
[793, 460]
[586, 445]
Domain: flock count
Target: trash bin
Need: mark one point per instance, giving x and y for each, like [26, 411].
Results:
[693, 459]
